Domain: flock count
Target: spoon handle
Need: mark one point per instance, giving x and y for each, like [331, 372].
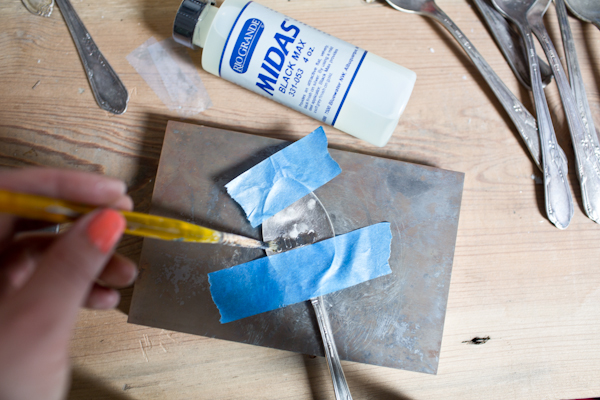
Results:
[587, 163]
[340, 386]
[589, 146]
[559, 203]
[523, 120]
[109, 91]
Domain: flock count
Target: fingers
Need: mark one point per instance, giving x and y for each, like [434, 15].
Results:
[69, 264]
[67, 270]
[102, 298]
[12, 228]
[123, 203]
[19, 262]
[76, 186]
[7, 227]
[120, 272]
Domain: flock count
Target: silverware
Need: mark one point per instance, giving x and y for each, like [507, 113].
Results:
[308, 218]
[511, 45]
[559, 203]
[586, 10]
[110, 93]
[587, 145]
[523, 120]
[43, 8]
[588, 167]
[575, 77]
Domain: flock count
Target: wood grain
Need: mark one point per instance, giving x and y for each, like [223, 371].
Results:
[534, 290]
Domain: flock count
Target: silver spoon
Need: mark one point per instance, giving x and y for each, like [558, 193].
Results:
[511, 45]
[588, 167]
[586, 10]
[523, 120]
[559, 203]
[307, 217]
[589, 145]
[109, 92]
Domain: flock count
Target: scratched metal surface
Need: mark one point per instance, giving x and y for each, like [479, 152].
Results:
[394, 321]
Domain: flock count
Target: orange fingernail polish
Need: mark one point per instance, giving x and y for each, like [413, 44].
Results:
[106, 229]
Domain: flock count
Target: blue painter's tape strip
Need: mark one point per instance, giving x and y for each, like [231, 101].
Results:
[229, 35]
[347, 90]
[301, 274]
[284, 178]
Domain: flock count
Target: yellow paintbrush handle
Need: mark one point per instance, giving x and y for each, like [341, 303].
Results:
[40, 207]
[147, 225]
[138, 224]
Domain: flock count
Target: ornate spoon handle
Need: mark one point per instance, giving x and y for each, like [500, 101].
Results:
[522, 119]
[588, 154]
[109, 91]
[340, 386]
[559, 203]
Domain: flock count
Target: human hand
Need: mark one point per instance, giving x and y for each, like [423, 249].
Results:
[45, 279]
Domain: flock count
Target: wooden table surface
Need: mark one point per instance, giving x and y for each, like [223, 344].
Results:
[532, 289]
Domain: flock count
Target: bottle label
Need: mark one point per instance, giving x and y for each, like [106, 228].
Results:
[290, 62]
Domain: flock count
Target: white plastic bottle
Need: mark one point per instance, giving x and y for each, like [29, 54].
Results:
[299, 66]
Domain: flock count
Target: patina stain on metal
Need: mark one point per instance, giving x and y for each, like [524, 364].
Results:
[394, 321]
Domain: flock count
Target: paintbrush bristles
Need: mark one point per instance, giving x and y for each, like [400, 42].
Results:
[231, 239]
[275, 246]
[283, 243]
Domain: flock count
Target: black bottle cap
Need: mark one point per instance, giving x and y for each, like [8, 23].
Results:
[186, 20]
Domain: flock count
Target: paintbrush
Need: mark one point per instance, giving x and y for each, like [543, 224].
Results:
[138, 224]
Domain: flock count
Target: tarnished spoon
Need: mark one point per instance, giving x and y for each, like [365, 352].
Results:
[586, 10]
[110, 93]
[589, 146]
[522, 119]
[588, 167]
[559, 202]
[307, 221]
[511, 44]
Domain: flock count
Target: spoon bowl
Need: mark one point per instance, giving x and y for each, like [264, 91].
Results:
[409, 6]
[586, 10]
[43, 8]
[511, 45]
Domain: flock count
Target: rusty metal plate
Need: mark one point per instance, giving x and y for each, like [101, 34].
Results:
[393, 321]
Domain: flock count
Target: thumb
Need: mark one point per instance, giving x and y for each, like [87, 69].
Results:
[66, 272]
